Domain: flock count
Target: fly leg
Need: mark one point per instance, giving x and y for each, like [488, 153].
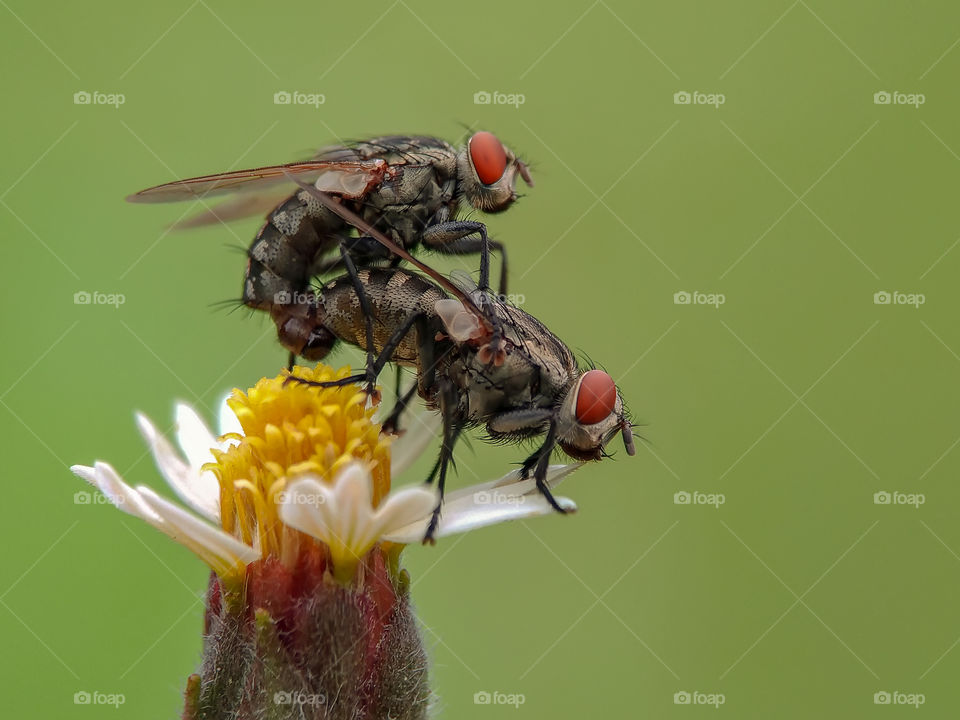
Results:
[426, 377]
[372, 373]
[427, 383]
[364, 250]
[454, 233]
[451, 431]
[392, 423]
[539, 462]
[460, 237]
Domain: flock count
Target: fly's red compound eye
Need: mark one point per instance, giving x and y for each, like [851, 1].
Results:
[488, 156]
[596, 398]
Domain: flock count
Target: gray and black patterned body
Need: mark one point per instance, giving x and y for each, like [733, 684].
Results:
[536, 372]
[297, 240]
[407, 187]
[394, 296]
[531, 382]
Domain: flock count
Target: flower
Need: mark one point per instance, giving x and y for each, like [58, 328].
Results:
[290, 505]
[294, 460]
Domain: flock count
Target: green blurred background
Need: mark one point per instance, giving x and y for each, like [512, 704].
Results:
[797, 199]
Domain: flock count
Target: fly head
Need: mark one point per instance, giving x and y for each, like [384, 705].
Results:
[488, 172]
[591, 415]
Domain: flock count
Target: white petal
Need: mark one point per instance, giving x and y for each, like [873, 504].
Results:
[85, 472]
[474, 516]
[329, 513]
[353, 489]
[421, 430]
[228, 423]
[469, 515]
[199, 490]
[194, 437]
[403, 507]
[306, 505]
[512, 484]
[189, 530]
[103, 477]
[507, 498]
[342, 516]
[217, 548]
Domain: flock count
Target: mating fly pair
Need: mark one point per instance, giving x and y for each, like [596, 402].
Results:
[479, 361]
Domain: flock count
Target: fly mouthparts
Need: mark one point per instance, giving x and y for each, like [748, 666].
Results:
[525, 173]
[626, 430]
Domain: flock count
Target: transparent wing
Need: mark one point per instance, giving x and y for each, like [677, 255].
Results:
[245, 205]
[346, 178]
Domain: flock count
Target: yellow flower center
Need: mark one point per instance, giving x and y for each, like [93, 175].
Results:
[289, 429]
